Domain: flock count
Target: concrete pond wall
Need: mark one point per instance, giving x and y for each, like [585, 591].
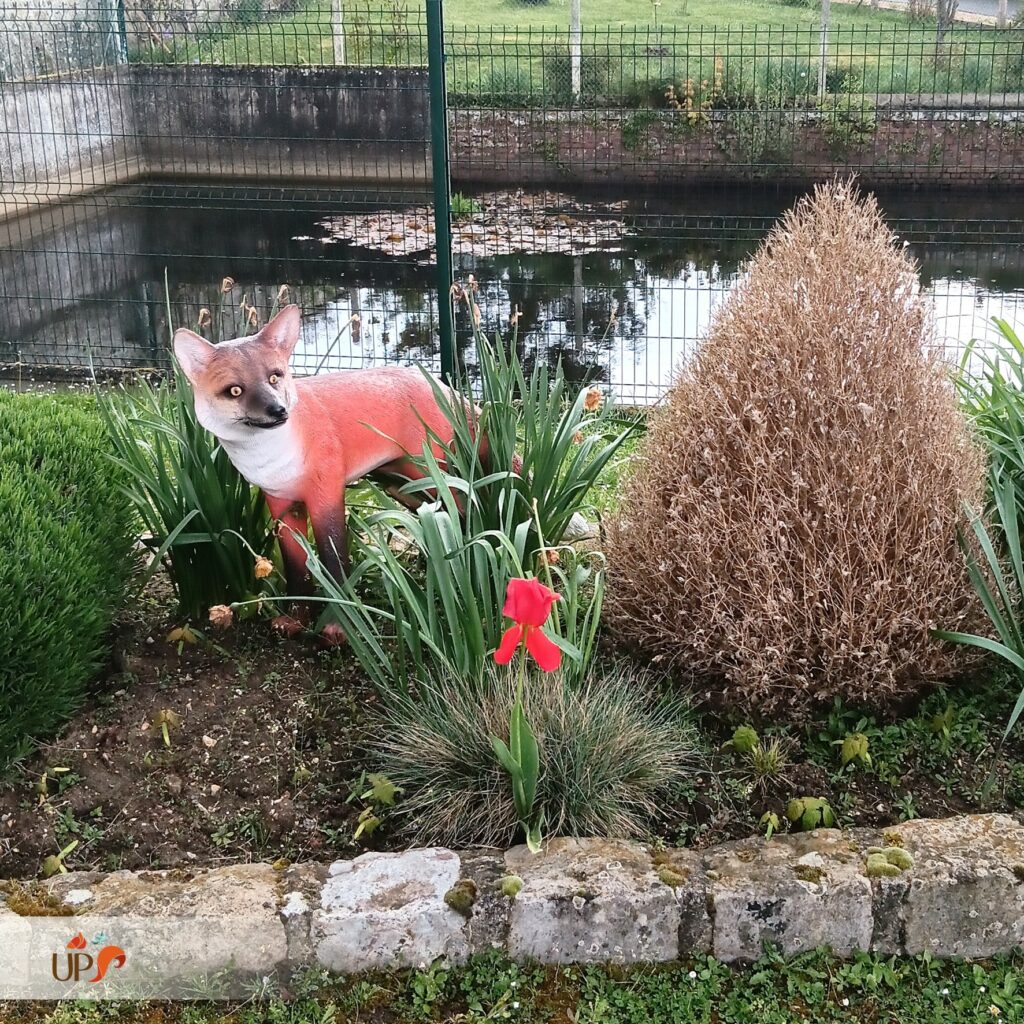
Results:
[94, 129]
[953, 888]
[342, 125]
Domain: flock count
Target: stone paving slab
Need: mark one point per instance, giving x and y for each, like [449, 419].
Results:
[953, 887]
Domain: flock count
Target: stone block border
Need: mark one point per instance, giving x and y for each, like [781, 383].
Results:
[952, 887]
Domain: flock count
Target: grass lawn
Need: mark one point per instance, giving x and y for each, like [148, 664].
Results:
[813, 987]
[508, 52]
[649, 13]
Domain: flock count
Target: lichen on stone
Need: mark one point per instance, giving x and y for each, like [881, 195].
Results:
[809, 873]
[670, 877]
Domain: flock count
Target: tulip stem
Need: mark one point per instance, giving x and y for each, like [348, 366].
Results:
[547, 566]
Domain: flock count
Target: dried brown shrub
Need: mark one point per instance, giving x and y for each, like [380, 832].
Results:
[790, 526]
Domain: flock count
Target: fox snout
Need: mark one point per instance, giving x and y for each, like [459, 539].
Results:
[264, 409]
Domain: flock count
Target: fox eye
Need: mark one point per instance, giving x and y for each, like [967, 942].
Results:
[274, 378]
[234, 391]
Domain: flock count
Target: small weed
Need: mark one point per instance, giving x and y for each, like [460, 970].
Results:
[768, 762]
[463, 206]
[636, 128]
[426, 989]
[905, 807]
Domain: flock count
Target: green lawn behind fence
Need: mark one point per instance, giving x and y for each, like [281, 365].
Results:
[735, 53]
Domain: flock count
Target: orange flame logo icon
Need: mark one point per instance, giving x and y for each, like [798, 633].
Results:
[78, 963]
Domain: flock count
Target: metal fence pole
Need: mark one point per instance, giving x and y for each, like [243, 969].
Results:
[576, 49]
[442, 186]
[823, 49]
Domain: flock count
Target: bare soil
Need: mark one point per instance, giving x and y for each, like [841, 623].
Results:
[269, 740]
[269, 747]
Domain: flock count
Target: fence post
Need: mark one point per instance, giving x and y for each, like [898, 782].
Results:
[826, 6]
[338, 30]
[575, 50]
[442, 186]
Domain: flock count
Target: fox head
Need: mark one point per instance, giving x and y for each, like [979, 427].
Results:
[243, 386]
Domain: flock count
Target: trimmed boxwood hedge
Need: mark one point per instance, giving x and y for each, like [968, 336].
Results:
[65, 560]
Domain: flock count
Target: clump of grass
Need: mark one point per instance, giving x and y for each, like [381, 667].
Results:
[66, 537]
[610, 752]
[768, 762]
[203, 520]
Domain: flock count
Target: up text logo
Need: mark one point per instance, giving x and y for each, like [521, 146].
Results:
[76, 963]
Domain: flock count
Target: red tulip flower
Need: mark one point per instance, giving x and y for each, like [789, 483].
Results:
[528, 603]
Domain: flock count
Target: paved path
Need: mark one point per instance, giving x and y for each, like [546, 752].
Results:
[986, 8]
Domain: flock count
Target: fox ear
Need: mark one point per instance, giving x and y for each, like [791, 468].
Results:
[192, 352]
[282, 332]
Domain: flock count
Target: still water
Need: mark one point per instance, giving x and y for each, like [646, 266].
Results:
[87, 283]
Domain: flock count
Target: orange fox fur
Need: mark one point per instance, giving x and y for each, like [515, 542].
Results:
[301, 441]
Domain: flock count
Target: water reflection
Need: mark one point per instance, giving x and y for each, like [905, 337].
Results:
[89, 283]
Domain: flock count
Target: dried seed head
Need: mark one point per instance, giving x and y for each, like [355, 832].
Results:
[264, 567]
[227, 284]
[282, 294]
[205, 318]
[593, 400]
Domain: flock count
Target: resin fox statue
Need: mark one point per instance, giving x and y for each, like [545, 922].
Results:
[302, 441]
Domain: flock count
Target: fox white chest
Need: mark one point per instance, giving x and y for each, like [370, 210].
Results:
[271, 460]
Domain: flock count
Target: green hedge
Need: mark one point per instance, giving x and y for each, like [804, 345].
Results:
[65, 542]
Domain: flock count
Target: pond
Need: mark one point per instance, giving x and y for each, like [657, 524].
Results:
[85, 283]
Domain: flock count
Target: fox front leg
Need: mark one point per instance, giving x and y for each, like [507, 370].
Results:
[331, 532]
[292, 523]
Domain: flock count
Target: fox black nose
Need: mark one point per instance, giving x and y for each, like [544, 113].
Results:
[277, 411]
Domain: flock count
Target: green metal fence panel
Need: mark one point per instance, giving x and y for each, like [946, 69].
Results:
[260, 151]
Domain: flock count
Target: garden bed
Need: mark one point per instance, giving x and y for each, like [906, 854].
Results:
[271, 755]
[814, 606]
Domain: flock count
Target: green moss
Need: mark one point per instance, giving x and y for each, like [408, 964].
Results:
[899, 858]
[878, 866]
[744, 739]
[510, 886]
[33, 901]
[461, 896]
